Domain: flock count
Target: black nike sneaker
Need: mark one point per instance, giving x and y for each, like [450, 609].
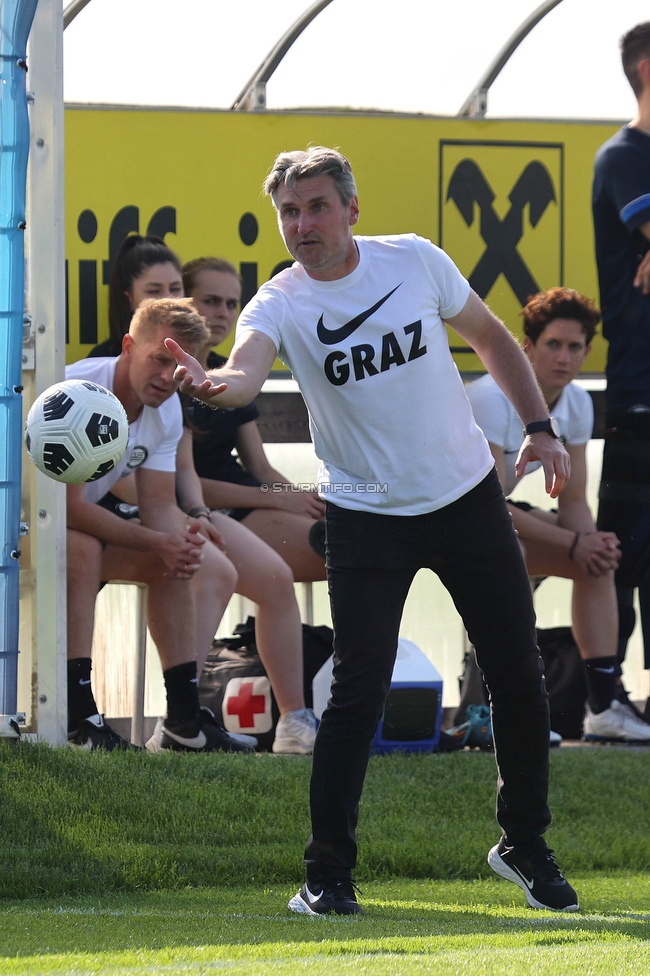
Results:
[95, 733]
[532, 867]
[201, 734]
[332, 895]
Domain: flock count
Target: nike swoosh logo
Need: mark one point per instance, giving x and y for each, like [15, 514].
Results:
[82, 682]
[312, 899]
[330, 337]
[198, 742]
[529, 884]
[602, 670]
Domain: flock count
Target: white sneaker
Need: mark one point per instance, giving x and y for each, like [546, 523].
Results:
[555, 739]
[153, 744]
[295, 733]
[617, 723]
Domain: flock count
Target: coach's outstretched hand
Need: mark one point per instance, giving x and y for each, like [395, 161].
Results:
[190, 375]
[555, 461]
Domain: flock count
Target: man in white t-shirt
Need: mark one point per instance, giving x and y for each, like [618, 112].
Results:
[175, 561]
[409, 482]
[559, 325]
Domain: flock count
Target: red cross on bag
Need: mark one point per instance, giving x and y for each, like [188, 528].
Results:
[247, 705]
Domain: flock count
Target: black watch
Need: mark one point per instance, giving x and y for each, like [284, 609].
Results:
[549, 426]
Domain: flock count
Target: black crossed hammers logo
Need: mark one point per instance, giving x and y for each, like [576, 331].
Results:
[534, 188]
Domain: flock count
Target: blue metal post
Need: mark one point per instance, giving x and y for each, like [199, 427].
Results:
[15, 22]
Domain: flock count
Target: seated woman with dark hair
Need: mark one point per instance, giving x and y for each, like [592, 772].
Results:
[559, 325]
[144, 267]
[288, 521]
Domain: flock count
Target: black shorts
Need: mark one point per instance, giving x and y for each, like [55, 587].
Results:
[122, 509]
[527, 507]
[524, 506]
[238, 514]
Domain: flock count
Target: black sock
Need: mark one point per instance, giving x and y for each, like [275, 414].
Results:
[603, 681]
[182, 692]
[81, 703]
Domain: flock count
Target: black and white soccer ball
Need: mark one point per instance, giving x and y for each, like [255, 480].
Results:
[76, 431]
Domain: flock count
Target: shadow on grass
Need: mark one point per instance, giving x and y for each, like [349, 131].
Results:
[39, 852]
[402, 917]
[75, 823]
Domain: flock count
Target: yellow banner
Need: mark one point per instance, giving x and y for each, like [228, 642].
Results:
[508, 200]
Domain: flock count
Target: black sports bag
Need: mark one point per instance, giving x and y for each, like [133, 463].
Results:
[235, 685]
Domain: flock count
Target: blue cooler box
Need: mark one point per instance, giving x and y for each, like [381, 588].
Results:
[413, 710]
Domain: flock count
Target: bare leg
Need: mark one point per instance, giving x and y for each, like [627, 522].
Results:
[170, 603]
[266, 579]
[594, 610]
[180, 632]
[213, 585]
[595, 616]
[84, 561]
[288, 534]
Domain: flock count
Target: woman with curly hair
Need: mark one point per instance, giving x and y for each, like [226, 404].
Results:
[559, 325]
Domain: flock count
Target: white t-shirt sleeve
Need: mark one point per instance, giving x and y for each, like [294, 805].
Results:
[581, 415]
[264, 313]
[449, 286]
[165, 457]
[169, 416]
[492, 410]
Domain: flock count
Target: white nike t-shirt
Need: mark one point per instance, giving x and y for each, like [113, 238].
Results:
[153, 437]
[388, 412]
[500, 422]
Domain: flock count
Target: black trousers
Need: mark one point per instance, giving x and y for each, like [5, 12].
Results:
[371, 561]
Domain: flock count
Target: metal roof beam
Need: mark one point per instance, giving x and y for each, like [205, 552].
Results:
[252, 97]
[475, 106]
[71, 11]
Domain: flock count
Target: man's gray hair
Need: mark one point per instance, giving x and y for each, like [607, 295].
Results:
[289, 167]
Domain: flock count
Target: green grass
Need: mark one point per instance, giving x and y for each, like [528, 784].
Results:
[114, 864]
[411, 927]
[79, 823]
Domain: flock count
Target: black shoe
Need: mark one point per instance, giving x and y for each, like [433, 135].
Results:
[96, 733]
[334, 896]
[201, 734]
[532, 867]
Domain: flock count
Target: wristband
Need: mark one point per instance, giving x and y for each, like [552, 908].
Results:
[199, 510]
[549, 426]
[573, 545]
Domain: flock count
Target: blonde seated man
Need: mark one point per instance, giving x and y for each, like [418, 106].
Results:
[179, 566]
[262, 577]
[559, 325]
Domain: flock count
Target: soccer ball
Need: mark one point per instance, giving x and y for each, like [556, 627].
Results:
[76, 431]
